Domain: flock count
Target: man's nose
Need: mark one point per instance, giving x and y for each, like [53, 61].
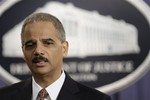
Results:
[39, 50]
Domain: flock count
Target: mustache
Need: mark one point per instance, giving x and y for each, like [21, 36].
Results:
[39, 58]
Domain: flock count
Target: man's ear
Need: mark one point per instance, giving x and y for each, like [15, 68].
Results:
[65, 48]
[24, 58]
[23, 53]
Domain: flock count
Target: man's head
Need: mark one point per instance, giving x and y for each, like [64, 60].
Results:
[36, 17]
[43, 44]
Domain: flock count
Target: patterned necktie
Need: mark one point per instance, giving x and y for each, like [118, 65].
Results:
[42, 94]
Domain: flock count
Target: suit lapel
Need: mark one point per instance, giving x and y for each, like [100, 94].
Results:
[69, 90]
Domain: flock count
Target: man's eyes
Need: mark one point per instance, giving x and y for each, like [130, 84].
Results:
[48, 42]
[30, 45]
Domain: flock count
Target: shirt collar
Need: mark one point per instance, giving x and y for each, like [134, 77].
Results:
[53, 89]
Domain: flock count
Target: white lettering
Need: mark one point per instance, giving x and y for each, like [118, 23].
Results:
[19, 69]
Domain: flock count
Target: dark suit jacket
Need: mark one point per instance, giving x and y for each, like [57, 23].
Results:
[71, 90]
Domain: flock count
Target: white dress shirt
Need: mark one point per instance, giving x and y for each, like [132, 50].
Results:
[53, 89]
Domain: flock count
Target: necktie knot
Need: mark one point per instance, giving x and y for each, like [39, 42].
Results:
[42, 94]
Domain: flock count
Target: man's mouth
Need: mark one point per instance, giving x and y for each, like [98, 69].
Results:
[40, 63]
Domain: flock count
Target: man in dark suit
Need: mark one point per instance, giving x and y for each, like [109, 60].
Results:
[44, 46]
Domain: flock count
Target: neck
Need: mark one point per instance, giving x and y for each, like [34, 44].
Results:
[46, 80]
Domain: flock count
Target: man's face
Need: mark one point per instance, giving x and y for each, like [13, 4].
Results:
[42, 49]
